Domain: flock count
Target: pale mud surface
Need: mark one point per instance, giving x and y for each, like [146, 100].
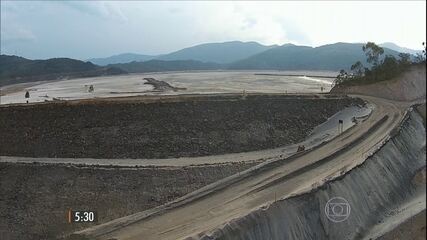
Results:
[194, 82]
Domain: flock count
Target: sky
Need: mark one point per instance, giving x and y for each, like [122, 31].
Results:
[88, 29]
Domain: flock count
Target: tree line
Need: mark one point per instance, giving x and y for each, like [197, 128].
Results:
[381, 68]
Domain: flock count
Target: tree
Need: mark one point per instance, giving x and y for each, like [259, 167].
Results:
[424, 50]
[380, 70]
[342, 77]
[405, 59]
[357, 69]
[421, 57]
[389, 68]
[373, 52]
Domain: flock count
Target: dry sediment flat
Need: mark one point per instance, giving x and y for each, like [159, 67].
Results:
[233, 199]
[193, 82]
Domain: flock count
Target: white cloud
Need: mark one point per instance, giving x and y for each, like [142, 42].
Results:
[85, 29]
[17, 33]
[107, 10]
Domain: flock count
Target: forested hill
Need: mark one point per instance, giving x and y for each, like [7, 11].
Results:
[163, 66]
[222, 53]
[291, 57]
[14, 69]
[121, 58]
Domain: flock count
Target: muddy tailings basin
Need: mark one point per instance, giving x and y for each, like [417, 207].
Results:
[163, 127]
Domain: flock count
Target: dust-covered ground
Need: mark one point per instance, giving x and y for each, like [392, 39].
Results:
[193, 82]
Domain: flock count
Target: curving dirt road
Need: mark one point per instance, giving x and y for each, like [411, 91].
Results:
[236, 196]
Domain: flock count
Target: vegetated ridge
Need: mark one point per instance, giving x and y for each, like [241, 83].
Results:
[222, 53]
[397, 48]
[388, 77]
[121, 58]
[291, 57]
[163, 66]
[14, 69]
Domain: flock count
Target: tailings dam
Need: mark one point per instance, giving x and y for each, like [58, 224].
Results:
[142, 127]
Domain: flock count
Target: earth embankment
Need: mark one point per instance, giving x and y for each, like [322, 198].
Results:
[195, 126]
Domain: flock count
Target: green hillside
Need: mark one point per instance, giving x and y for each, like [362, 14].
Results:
[162, 66]
[121, 58]
[14, 69]
[291, 57]
[222, 53]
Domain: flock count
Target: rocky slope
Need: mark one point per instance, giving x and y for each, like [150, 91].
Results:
[195, 127]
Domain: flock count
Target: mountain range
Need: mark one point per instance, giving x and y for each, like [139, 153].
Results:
[397, 48]
[221, 53]
[121, 58]
[212, 56]
[227, 52]
[291, 57]
[331, 57]
[163, 66]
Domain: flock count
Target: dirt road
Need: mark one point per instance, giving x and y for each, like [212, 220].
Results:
[236, 196]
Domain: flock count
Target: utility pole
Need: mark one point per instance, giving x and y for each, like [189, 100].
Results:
[340, 126]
